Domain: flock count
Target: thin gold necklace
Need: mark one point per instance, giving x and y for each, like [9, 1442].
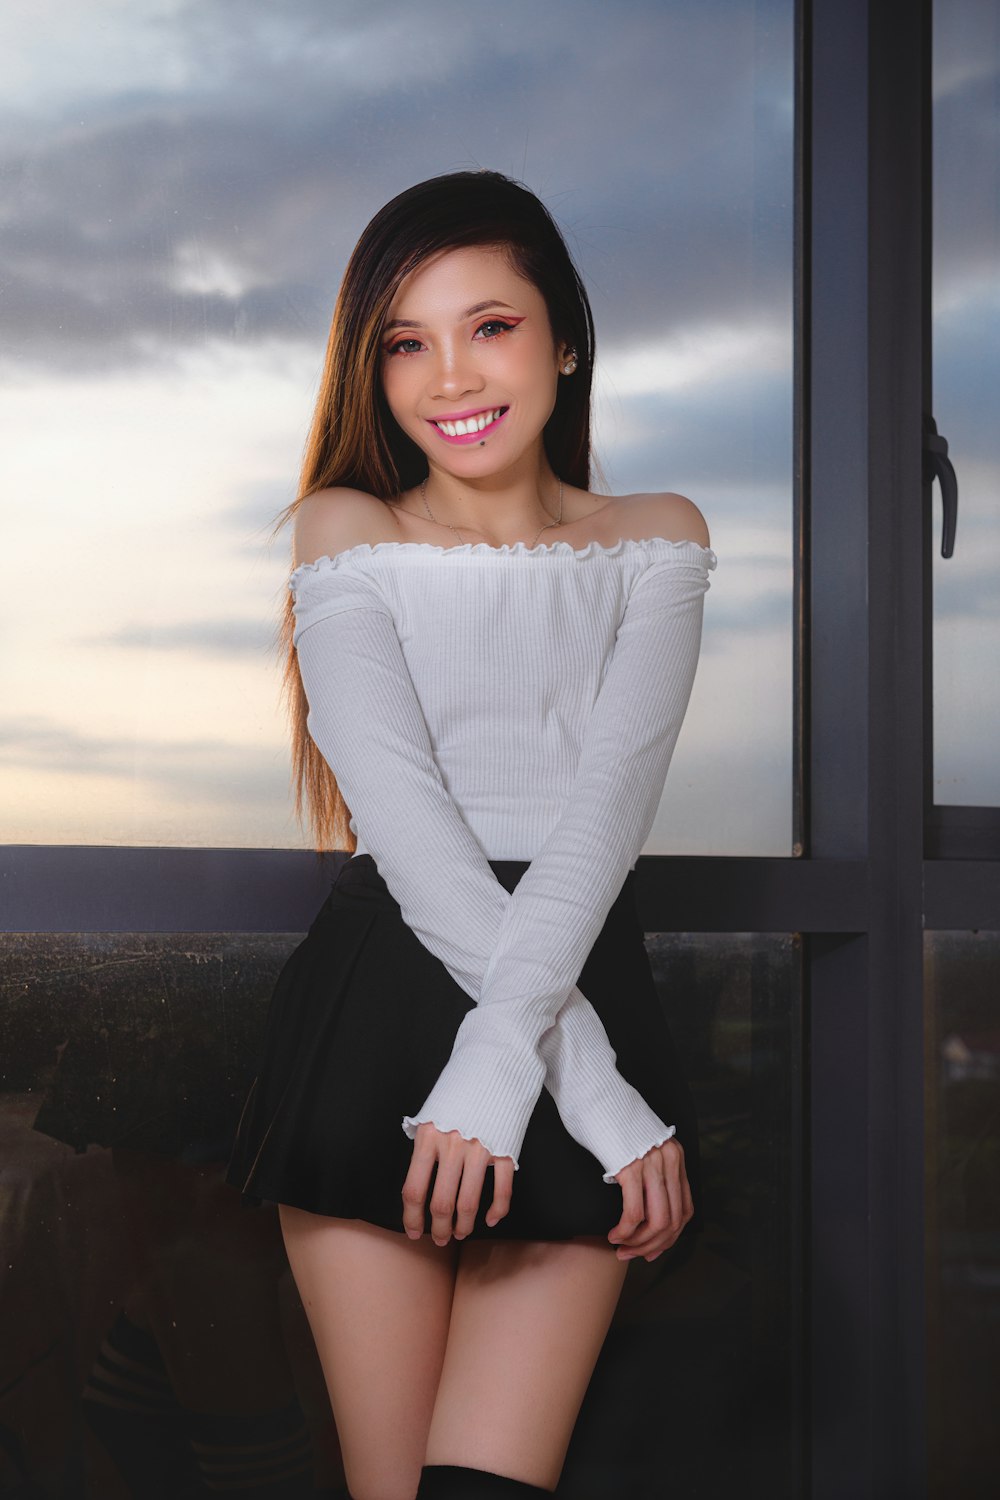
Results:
[548, 524]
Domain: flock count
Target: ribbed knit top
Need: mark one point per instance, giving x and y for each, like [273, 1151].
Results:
[476, 703]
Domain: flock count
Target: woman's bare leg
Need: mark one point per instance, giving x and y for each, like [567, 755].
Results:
[378, 1306]
[528, 1321]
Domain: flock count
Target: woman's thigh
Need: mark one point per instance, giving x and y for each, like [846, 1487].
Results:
[378, 1306]
[528, 1320]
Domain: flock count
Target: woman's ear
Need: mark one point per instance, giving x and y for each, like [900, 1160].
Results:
[567, 359]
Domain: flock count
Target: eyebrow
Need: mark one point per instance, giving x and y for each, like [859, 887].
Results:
[470, 312]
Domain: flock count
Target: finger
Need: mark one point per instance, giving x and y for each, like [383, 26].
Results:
[633, 1209]
[673, 1170]
[503, 1189]
[684, 1200]
[675, 1190]
[656, 1211]
[688, 1200]
[654, 1235]
[471, 1190]
[417, 1182]
[444, 1194]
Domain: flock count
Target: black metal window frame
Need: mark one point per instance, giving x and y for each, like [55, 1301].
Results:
[874, 864]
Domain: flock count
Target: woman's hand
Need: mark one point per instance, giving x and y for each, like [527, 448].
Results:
[459, 1183]
[656, 1203]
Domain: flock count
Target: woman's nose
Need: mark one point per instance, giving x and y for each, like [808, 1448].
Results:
[454, 373]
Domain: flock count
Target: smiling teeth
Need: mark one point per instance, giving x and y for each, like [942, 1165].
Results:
[470, 424]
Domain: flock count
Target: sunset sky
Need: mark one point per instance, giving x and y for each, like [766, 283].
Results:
[183, 185]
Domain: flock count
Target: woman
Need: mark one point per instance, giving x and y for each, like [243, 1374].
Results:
[488, 667]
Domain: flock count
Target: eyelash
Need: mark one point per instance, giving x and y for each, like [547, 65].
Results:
[394, 349]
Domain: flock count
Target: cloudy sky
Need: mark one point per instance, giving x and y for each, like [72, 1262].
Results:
[184, 180]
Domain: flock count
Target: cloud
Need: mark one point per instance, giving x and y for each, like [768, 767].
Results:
[216, 195]
[966, 594]
[966, 235]
[766, 609]
[732, 430]
[257, 509]
[199, 770]
[194, 637]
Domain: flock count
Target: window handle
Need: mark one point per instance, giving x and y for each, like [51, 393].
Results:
[937, 465]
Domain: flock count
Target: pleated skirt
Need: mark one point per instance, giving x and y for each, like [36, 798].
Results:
[362, 1020]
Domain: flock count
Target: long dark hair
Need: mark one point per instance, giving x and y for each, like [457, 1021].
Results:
[354, 440]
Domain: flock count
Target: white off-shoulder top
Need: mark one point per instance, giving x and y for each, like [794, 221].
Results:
[476, 703]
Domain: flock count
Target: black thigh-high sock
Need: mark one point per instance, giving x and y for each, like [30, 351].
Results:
[129, 1404]
[455, 1482]
[267, 1454]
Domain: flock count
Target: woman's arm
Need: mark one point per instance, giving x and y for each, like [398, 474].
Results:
[561, 902]
[366, 719]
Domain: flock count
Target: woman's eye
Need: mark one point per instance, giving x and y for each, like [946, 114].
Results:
[493, 328]
[495, 323]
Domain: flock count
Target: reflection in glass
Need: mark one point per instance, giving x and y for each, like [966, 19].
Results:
[966, 386]
[177, 235]
[962, 1030]
[141, 1303]
[153, 1340]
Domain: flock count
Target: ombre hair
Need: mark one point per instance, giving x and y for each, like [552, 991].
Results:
[355, 441]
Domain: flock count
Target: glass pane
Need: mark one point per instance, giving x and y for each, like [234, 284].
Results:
[962, 985]
[708, 1353]
[966, 385]
[181, 194]
[126, 1062]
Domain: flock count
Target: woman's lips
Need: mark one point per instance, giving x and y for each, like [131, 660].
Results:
[478, 433]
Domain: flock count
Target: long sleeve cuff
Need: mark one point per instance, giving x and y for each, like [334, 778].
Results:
[487, 1091]
[601, 1111]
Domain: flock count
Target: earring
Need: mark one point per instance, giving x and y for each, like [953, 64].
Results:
[570, 364]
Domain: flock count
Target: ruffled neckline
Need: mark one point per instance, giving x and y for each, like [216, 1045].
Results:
[508, 549]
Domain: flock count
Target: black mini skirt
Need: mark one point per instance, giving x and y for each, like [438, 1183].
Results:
[361, 1022]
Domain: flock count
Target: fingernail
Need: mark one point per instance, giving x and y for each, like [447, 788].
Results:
[490, 1222]
[414, 1234]
[626, 1255]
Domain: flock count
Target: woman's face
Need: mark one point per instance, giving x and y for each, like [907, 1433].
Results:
[469, 365]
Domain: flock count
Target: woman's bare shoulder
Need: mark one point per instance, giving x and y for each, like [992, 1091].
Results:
[331, 520]
[673, 517]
